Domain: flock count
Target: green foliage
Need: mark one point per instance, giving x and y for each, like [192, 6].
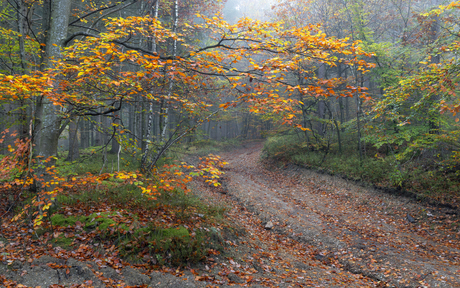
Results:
[61, 220]
[391, 134]
[206, 146]
[9, 50]
[15, 174]
[397, 177]
[92, 160]
[173, 245]
[393, 62]
[435, 177]
[102, 221]
[63, 241]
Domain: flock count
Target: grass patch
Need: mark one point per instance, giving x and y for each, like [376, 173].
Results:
[63, 241]
[176, 245]
[209, 146]
[102, 221]
[92, 161]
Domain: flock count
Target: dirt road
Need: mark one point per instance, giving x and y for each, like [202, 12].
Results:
[359, 236]
[291, 228]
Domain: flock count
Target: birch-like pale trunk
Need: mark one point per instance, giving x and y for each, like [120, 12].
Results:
[165, 111]
[171, 81]
[151, 113]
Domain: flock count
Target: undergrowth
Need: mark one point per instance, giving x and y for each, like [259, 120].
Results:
[206, 146]
[425, 178]
[93, 160]
[175, 229]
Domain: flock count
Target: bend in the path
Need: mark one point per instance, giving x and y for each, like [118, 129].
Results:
[361, 230]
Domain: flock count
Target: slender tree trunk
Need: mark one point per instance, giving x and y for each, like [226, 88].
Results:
[115, 144]
[84, 134]
[105, 131]
[92, 132]
[132, 122]
[321, 105]
[74, 151]
[22, 18]
[171, 81]
[143, 127]
[138, 108]
[148, 137]
[339, 139]
[341, 104]
[358, 121]
[435, 59]
[22, 13]
[347, 104]
[97, 132]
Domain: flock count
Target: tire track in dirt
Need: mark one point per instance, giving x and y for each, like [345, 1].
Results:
[363, 231]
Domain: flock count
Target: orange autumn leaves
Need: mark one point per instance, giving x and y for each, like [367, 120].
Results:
[263, 51]
[105, 70]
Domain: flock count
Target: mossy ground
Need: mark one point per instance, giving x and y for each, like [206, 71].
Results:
[175, 229]
[63, 242]
[102, 221]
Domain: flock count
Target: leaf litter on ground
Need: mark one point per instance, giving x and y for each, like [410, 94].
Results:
[325, 232]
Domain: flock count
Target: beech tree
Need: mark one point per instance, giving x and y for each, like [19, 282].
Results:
[88, 73]
[433, 88]
[405, 115]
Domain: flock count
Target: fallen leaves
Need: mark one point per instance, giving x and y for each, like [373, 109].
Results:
[374, 235]
[375, 239]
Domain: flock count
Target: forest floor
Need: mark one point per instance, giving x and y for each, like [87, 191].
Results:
[328, 232]
[293, 228]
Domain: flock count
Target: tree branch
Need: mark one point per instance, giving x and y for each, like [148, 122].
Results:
[87, 28]
[71, 37]
[93, 12]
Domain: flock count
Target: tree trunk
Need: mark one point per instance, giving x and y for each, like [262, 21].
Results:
[148, 138]
[115, 144]
[74, 151]
[435, 59]
[171, 81]
[84, 132]
[48, 120]
[321, 106]
[98, 131]
[358, 121]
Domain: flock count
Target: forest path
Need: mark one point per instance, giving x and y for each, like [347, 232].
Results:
[346, 227]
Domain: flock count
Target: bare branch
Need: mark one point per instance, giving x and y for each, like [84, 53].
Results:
[71, 37]
[93, 12]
